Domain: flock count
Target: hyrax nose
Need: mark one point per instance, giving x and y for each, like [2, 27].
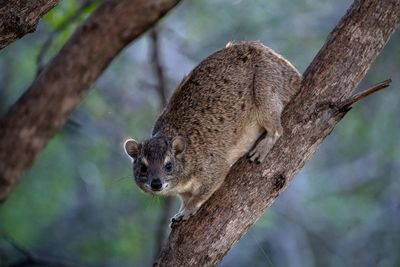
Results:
[156, 184]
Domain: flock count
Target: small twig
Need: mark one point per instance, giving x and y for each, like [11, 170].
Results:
[346, 105]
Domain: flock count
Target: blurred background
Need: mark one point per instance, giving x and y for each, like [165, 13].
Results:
[79, 205]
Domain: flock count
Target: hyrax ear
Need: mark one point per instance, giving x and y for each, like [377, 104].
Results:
[178, 145]
[132, 148]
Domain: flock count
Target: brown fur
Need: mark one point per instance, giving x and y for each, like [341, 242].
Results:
[216, 115]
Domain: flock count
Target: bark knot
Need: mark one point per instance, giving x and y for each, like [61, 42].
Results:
[279, 181]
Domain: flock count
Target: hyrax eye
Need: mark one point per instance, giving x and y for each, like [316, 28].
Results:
[143, 168]
[168, 167]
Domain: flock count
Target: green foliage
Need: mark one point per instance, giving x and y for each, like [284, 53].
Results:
[41, 198]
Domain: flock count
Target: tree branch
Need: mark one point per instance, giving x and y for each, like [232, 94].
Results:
[158, 67]
[19, 17]
[46, 105]
[357, 97]
[67, 22]
[249, 189]
[161, 87]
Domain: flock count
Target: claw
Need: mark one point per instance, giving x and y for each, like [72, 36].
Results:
[178, 218]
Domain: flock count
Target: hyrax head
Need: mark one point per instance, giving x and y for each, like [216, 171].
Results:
[157, 163]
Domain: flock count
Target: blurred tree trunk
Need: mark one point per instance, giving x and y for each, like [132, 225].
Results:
[159, 73]
[326, 88]
[19, 17]
[46, 105]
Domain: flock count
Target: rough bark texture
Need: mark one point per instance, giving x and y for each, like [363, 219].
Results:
[249, 189]
[19, 17]
[44, 108]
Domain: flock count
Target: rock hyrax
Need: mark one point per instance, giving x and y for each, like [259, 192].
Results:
[215, 116]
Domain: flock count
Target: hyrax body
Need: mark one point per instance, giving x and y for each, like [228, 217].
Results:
[215, 116]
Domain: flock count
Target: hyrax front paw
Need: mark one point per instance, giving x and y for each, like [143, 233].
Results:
[181, 216]
[178, 218]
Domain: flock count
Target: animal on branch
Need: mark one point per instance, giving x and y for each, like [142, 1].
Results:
[230, 105]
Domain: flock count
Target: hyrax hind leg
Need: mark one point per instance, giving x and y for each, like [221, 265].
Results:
[268, 109]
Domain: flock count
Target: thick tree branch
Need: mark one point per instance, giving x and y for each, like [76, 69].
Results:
[59, 88]
[19, 17]
[249, 189]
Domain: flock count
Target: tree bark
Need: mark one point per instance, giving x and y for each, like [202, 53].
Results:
[59, 88]
[249, 189]
[19, 17]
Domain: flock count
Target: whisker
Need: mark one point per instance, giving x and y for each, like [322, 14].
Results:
[264, 253]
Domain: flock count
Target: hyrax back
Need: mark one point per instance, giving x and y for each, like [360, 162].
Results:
[214, 117]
